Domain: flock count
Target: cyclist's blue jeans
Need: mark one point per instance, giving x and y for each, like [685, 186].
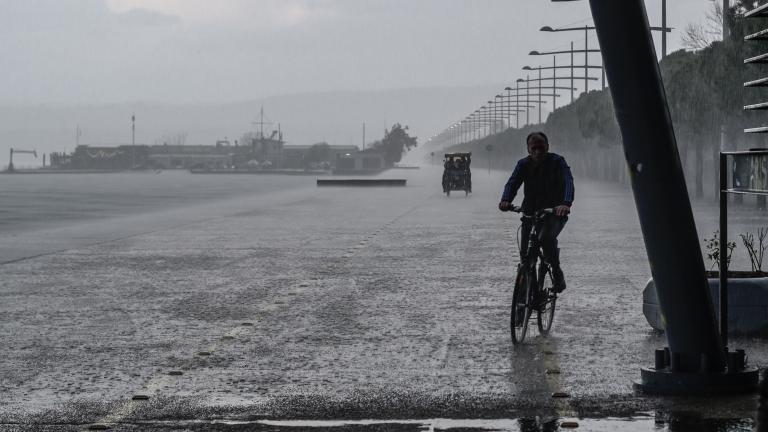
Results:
[551, 226]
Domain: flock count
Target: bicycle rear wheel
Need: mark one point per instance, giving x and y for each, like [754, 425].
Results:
[547, 299]
[521, 306]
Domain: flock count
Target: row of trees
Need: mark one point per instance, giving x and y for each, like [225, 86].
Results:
[705, 95]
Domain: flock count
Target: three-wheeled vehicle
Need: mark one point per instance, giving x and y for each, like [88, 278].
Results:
[457, 175]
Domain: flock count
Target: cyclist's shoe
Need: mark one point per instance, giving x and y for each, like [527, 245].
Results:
[558, 279]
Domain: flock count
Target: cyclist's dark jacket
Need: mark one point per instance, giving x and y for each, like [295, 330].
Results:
[548, 183]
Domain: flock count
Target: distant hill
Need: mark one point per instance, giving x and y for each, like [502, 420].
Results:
[334, 117]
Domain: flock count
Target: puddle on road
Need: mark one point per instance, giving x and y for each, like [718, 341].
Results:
[634, 424]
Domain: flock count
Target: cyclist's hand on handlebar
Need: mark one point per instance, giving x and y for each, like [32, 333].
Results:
[562, 210]
[505, 205]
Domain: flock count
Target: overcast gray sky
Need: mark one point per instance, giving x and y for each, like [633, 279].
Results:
[179, 51]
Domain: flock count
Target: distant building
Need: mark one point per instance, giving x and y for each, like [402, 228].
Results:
[260, 153]
[191, 156]
[103, 157]
[60, 160]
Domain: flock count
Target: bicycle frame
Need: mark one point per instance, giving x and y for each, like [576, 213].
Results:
[534, 253]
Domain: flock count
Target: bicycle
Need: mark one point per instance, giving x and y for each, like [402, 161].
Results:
[533, 286]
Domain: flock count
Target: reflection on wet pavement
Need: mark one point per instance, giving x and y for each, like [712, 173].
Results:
[646, 423]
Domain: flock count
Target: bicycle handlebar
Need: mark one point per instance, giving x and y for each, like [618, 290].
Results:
[537, 214]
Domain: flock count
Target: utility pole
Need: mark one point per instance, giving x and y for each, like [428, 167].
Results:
[363, 135]
[726, 30]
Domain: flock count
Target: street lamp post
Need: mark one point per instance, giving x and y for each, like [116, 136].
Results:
[527, 99]
[517, 100]
[572, 66]
[544, 88]
[528, 95]
[541, 90]
[483, 122]
[539, 83]
[494, 113]
[586, 48]
[586, 76]
[663, 29]
[586, 58]
[554, 81]
[491, 106]
[509, 108]
[496, 104]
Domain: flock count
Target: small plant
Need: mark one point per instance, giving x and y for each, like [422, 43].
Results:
[712, 246]
[756, 252]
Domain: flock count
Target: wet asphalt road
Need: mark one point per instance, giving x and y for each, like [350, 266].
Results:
[324, 303]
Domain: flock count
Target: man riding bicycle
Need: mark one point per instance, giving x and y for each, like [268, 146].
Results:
[548, 184]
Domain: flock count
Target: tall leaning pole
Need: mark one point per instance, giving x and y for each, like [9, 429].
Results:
[696, 361]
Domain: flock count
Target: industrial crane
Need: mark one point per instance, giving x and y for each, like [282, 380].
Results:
[10, 161]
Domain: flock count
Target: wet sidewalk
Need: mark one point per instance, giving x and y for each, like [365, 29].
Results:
[334, 303]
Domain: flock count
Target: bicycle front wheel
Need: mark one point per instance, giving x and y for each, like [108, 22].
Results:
[521, 306]
[547, 299]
